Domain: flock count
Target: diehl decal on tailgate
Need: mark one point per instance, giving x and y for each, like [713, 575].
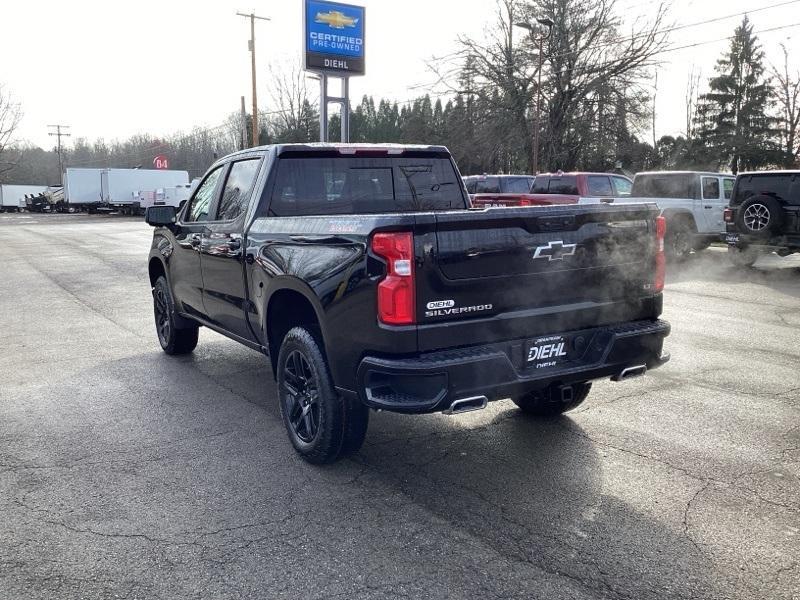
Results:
[448, 308]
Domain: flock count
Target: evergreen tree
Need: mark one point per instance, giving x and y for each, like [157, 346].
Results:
[732, 118]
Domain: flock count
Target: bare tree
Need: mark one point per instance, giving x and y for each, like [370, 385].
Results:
[787, 94]
[10, 116]
[692, 94]
[495, 74]
[588, 54]
[294, 115]
[594, 75]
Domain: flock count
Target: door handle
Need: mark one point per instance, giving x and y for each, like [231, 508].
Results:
[607, 200]
[234, 244]
[708, 206]
[194, 240]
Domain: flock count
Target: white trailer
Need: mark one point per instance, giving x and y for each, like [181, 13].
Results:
[81, 189]
[171, 196]
[120, 187]
[12, 197]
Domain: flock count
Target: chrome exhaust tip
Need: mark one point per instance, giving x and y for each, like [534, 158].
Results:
[463, 405]
[630, 373]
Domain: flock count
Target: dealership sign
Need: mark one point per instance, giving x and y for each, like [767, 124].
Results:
[334, 37]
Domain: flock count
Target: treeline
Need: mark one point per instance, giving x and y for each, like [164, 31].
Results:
[599, 102]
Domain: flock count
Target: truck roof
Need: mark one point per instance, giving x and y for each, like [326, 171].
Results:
[486, 175]
[710, 173]
[772, 172]
[329, 146]
[575, 173]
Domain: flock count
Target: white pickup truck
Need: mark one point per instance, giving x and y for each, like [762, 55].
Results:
[692, 202]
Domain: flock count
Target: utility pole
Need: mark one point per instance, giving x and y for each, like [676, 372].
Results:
[244, 126]
[59, 134]
[252, 47]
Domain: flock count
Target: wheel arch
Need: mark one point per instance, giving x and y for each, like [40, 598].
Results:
[291, 303]
[673, 215]
[155, 269]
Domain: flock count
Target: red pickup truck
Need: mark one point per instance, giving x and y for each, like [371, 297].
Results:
[562, 188]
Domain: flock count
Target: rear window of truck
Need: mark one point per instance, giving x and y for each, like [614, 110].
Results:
[517, 185]
[567, 184]
[344, 185]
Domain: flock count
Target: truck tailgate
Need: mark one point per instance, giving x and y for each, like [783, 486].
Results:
[506, 273]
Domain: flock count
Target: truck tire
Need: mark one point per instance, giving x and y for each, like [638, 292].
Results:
[760, 216]
[173, 340]
[679, 240]
[321, 425]
[743, 257]
[549, 403]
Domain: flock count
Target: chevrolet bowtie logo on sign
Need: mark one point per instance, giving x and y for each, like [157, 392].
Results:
[336, 19]
[554, 251]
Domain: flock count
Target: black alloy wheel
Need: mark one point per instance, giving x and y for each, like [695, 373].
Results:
[163, 321]
[301, 397]
[322, 425]
[176, 335]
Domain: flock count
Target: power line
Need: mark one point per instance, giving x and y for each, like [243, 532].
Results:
[673, 49]
[659, 32]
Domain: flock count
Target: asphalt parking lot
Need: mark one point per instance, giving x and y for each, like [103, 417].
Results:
[125, 473]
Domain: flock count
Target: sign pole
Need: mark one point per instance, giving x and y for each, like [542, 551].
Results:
[345, 109]
[323, 107]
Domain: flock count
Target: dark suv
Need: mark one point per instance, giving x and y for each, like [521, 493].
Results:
[763, 216]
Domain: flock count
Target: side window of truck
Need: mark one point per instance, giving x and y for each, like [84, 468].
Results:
[599, 185]
[622, 185]
[200, 203]
[238, 185]
[710, 188]
[727, 187]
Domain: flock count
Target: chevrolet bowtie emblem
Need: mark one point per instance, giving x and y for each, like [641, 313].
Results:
[555, 251]
[336, 19]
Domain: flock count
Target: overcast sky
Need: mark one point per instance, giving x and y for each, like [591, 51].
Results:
[169, 65]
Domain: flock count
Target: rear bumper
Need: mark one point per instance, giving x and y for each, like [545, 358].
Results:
[431, 382]
[777, 242]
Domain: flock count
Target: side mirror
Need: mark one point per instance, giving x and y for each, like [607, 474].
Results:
[160, 216]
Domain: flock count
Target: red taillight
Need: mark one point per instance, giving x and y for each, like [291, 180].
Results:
[661, 261]
[396, 303]
[727, 215]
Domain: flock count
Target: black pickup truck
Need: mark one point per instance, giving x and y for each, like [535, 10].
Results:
[365, 276]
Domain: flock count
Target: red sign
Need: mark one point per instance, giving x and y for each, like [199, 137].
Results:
[161, 162]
